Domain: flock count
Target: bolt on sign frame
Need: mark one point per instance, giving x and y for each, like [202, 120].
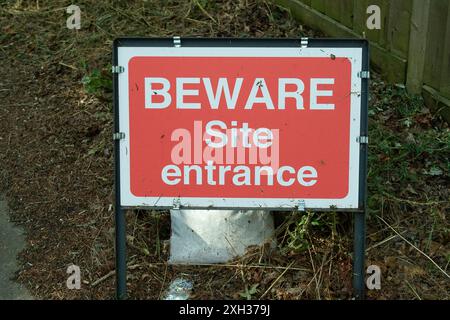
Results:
[337, 143]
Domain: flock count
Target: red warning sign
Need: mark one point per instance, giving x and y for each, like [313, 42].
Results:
[239, 127]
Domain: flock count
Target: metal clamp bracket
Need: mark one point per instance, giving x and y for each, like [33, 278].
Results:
[362, 139]
[176, 41]
[301, 205]
[176, 203]
[304, 42]
[118, 136]
[364, 74]
[117, 69]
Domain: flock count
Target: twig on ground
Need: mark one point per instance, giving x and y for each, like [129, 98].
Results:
[110, 274]
[420, 251]
[276, 280]
[243, 266]
[68, 66]
[413, 203]
[413, 290]
[382, 242]
[204, 11]
[163, 283]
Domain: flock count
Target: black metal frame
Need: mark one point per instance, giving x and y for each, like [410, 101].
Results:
[359, 213]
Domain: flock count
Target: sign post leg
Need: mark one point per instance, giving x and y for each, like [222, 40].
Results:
[121, 259]
[359, 249]
[120, 223]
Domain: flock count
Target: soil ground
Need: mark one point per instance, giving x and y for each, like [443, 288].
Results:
[56, 167]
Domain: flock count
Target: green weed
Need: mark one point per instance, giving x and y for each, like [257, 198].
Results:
[97, 82]
[303, 224]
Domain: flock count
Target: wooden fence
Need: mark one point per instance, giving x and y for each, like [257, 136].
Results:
[412, 47]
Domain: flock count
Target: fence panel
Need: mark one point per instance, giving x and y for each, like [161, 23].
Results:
[398, 27]
[445, 76]
[435, 43]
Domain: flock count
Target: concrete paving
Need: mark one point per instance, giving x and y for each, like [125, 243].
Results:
[12, 241]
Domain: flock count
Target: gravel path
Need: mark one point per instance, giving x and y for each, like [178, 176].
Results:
[12, 242]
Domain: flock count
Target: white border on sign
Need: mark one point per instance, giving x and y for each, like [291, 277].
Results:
[130, 200]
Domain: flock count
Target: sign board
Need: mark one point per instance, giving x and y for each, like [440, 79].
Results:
[236, 123]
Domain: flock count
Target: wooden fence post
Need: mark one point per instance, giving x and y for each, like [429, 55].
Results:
[417, 45]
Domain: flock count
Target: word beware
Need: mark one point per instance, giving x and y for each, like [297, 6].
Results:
[158, 93]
